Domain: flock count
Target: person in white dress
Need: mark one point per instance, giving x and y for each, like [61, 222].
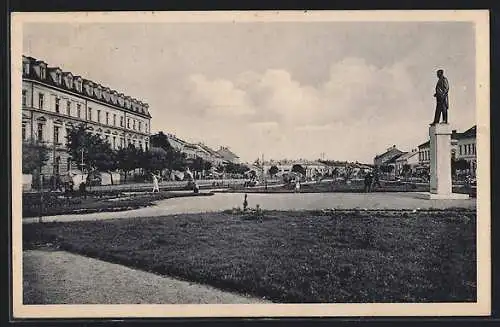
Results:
[156, 188]
[297, 186]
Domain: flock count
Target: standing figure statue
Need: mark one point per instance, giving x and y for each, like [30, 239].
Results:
[441, 95]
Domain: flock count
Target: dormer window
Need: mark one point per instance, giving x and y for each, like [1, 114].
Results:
[58, 78]
[78, 84]
[26, 68]
[42, 72]
[98, 92]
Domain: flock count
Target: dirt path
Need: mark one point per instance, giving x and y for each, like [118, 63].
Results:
[58, 277]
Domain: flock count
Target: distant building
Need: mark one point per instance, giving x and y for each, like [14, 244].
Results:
[388, 157]
[466, 148]
[312, 168]
[463, 146]
[54, 101]
[193, 151]
[407, 158]
[228, 155]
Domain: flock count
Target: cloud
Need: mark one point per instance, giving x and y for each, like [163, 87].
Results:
[355, 90]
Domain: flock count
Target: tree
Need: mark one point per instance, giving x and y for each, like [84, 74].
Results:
[127, 159]
[273, 170]
[97, 153]
[406, 170]
[459, 164]
[156, 159]
[160, 140]
[298, 169]
[35, 155]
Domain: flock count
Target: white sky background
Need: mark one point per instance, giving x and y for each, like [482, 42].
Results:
[288, 90]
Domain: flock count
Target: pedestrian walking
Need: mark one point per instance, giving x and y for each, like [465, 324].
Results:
[297, 186]
[156, 188]
[368, 182]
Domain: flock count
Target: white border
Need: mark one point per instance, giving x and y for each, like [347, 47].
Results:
[482, 307]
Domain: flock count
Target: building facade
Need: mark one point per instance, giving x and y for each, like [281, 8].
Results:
[463, 146]
[389, 155]
[55, 101]
[409, 158]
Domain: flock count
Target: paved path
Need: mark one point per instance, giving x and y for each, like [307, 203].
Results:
[58, 277]
[282, 201]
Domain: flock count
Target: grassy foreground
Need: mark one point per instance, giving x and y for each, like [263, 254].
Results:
[314, 256]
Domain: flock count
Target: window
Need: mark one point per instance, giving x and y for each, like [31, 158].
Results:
[40, 132]
[23, 132]
[68, 131]
[468, 149]
[140, 145]
[90, 113]
[68, 164]
[107, 118]
[146, 145]
[114, 142]
[133, 125]
[58, 78]
[98, 116]
[473, 149]
[25, 95]
[460, 149]
[146, 128]
[68, 108]
[140, 127]
[42, 72]
[114, 119]
[57, 105]
[79, 110]
[56, 134]
[121, 121]
[26, 68]
[128, 123]
[40, 101]
[70, 85]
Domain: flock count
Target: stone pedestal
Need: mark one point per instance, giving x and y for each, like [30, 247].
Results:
[440, 164]
[440, 155]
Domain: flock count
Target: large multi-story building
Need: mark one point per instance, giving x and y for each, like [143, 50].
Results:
[54, 101]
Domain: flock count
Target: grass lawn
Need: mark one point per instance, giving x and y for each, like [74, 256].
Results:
[96, 201]
[313, 256]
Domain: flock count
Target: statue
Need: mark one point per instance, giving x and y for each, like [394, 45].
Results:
[441, 95]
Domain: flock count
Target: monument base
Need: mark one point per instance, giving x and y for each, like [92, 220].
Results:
[448, 196]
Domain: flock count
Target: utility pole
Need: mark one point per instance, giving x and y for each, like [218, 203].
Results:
[41, 196]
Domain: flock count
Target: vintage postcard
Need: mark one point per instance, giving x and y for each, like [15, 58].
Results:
[250, 164]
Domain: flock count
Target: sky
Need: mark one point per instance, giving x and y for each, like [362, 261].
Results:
[285, 90]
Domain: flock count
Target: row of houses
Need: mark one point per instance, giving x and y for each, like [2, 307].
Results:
[200, 150]
[463, 147]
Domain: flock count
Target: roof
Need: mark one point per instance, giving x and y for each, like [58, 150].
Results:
[470, 133]
[425, 144]
[393, 159]
[407, 155]
[392, 149]
[227, 154]
[140, 107]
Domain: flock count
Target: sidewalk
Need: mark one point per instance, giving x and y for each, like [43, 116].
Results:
[58, 277]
